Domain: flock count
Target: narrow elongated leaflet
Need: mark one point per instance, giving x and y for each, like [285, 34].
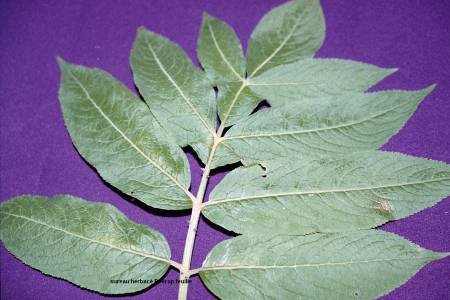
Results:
[305, 79]
[349, 123]
[289, 32]
[353, 265]
[88, 243]
[116, 133]
[327, 194]
[316, 78]
[220, 51]
[178, 94]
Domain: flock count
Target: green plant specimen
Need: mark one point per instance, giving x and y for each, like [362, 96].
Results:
[311, 189]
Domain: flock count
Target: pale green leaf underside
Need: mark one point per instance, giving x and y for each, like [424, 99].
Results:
[86, 243]
[236, 102]
[354, 265]
[348, 123]
[315, 78]
[178, 94]
[310, 168]
[328, 194]
[116, 133]
[220, 51]
[289, 32]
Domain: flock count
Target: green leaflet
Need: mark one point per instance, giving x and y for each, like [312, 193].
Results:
[315, 78]
[116, 133]
[327, 194]
[179, 95]
[88, 243]
[236, 102]
[348, 123]
[220, 51]
[289, 32]
[287, 84]
[361, 264]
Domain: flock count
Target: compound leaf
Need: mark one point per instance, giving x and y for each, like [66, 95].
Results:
[289, 32]
[179, 95]
[316, 78]
[348, 123]
[116, 133]
[89, 244]
[328, 194]
[311, 188]
[361, 265]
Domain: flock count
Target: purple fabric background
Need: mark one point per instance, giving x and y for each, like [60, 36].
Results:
[37, 156]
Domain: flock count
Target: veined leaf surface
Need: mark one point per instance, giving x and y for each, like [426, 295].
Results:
[328, 194]
[361, 265]
[349, 123]
[289, 32]
[316, 78]
[179, 95]
[116, 133]
[87, 243]
[220, 51]
[236, 102]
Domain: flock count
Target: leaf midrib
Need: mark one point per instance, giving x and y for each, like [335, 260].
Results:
[132, 144]
[227, 115]
[298, 193]
[278, 48]
[271, 134]
[179, 90]
[286, 83]
[350, 262]
[222, 55]
[168, 261]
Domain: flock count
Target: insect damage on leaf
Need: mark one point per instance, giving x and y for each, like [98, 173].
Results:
[385, 208]
[310, 191]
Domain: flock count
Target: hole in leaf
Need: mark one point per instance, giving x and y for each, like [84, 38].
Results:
[264, 169]
[226, 168]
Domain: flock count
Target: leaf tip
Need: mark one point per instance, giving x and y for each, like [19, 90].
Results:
[432, 87]
[61, 62]
[426, 91]
[141, 29]
[391, 71]
[438, 255]
[207, 17]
